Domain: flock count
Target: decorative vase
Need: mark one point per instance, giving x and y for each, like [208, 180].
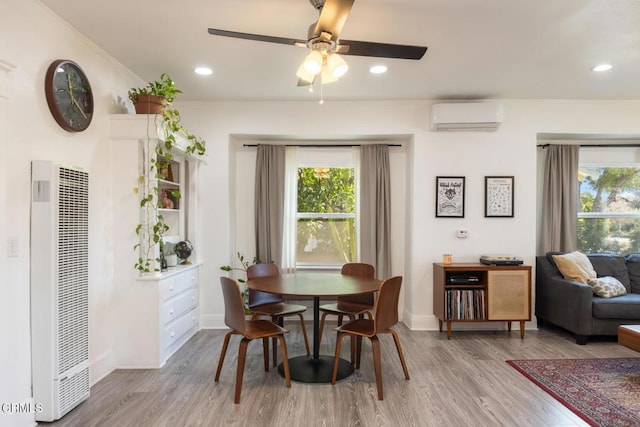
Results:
[149, 104]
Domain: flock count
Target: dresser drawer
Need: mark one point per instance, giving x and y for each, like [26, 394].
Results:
[177, 306]
[174, 285]
[174, 331]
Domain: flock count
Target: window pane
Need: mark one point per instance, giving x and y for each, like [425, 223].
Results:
[326, 241]
[326, 190]
[608, 189]
[618, 235]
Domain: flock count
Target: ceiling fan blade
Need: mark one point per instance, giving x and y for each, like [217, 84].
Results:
[303, 82]
[332, 18]
[381, 50]
[258, 37]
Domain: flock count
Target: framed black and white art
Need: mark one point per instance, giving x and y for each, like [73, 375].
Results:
[450, 196]
[498, 196]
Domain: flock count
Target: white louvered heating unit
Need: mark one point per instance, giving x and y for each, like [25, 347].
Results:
[59, 287]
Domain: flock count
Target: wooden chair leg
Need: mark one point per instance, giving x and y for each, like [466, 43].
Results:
[265, 353]
[304, 334]
[375, 344]
[242, 356]
[225, 344]
[353, 343]
[324, 315]
[285, 361]
[274, 341]
[396, 339]
[358, 351]
[336, 359]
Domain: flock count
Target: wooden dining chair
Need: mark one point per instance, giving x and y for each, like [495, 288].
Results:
[273, 305]
[350, 305]
[234, 318]
[384, 317]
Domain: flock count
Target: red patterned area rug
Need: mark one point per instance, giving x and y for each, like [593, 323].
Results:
[603, 392]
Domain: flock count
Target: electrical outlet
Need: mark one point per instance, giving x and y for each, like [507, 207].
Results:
[12, 247]
[462, 234]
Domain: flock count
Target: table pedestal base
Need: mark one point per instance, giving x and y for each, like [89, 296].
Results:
[305, 369]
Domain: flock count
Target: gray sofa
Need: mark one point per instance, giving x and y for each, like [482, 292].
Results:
[573, 306]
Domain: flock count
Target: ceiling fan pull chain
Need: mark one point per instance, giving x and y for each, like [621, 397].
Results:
[321, 92]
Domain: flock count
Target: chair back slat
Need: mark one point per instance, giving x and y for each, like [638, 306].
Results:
[234, 316]
[386, 310]
[359, 269]
[257, 298]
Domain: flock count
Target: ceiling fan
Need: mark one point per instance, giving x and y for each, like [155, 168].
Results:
[325, 45]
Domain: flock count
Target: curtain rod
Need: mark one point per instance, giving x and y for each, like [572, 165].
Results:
[323, 145]
[597, 145]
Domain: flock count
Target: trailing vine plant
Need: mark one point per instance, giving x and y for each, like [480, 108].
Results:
[157, 155]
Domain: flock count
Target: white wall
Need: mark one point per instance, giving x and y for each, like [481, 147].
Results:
[30, 39]
[509, 151]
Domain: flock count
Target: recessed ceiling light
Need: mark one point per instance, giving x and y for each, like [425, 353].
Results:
[602, 67]
[378, 69]
[203, 71]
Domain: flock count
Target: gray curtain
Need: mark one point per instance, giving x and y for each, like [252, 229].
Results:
[375, 209]
[560, 199]
[269, 202]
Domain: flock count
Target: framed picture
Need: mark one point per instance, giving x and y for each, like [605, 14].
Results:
[450, 196]
[498, 196]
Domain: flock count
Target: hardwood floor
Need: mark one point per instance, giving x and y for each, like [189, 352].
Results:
[459, 382]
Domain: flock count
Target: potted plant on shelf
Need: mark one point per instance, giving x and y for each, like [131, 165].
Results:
[159, 153]
[244, 265]
[152, 98]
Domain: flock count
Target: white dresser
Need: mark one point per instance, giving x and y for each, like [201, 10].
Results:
[178, 311]
[157, 316]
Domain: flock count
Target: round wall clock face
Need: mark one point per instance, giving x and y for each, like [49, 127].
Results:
[69, 95]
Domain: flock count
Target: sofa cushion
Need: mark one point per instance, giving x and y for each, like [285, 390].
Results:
[607, 287]
[575, 266]
[633, 268]
[611, 265]
[622, 307]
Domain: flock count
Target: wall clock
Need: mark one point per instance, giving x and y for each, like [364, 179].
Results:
[69, 95]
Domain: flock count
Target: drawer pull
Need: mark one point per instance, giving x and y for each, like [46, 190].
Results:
[171, 312]
[171, 289]
[172, 334]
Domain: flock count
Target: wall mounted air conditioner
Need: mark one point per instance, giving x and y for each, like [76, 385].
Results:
[59, 288]
[467, 116]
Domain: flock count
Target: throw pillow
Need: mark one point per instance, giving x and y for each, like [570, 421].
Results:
[607, 287]
[575, 266]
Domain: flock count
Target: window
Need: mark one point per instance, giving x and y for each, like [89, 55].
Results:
[326, 215]
[321, 219]
[609, 205]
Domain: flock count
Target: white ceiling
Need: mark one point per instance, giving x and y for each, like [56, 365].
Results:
[477, 48]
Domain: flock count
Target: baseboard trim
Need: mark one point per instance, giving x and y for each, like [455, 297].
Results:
[101, 367]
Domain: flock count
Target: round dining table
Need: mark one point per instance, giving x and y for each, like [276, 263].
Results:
[316, 368]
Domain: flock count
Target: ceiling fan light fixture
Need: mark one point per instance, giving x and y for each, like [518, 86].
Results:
[304, 75]
[313, 62]
[326, 76]
[337, 65]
